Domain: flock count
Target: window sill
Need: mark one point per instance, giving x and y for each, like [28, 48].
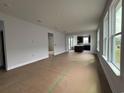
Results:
[113, 67]
[104, 58]
[97, 49]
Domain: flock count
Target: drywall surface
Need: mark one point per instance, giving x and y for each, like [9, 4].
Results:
[59, 40]
[86, 33]
[27, 42]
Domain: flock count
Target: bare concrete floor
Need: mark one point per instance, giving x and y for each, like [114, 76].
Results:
[66, 73]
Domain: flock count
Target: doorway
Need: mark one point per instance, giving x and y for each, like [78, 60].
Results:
[2, 53]
[51, 44]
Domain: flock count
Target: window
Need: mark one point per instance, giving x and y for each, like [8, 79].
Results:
[83, 39]
[105, 36]
[72, 41]
[112, 34]
[98, 33]
[116, 22]
[86, 40]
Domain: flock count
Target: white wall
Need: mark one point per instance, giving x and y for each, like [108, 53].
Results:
[84, 33]
[27, 42]
[59, 39]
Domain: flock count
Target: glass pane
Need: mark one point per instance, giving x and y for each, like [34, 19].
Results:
[106, 25]
[118, 18]
[69, 43]
[98, 40]
[85, 40]
[104, 48]
[117, 48]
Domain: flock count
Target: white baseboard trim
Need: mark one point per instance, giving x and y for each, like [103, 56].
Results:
[26, 63]
[33, 61]
[59, 53]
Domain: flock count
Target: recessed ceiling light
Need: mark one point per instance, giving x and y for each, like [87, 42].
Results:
[5, 5]
[39, 21]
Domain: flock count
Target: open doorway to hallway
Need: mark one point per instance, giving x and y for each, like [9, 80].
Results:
[2, 53]
[51, 44]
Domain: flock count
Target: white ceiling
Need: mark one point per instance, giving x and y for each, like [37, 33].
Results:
[61, 15]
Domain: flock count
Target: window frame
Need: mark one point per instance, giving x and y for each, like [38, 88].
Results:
[106, 36]
[98, 39]
[113, 33]
[112, 11]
